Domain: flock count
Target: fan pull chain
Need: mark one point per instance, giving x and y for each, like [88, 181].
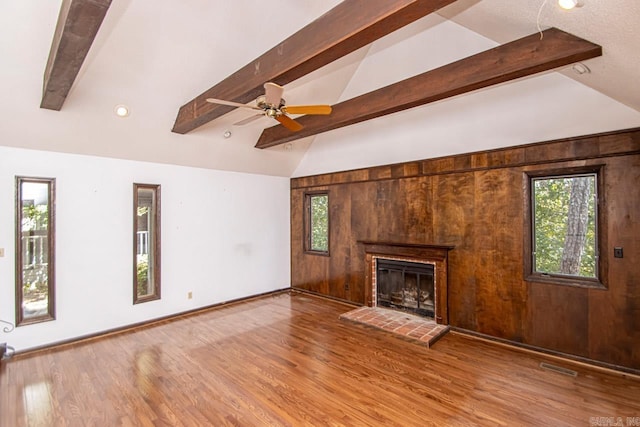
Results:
[538, 19]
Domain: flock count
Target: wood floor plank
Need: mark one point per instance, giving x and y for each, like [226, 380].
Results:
[288, 360]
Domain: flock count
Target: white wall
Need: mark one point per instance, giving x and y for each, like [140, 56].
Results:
[225, 235]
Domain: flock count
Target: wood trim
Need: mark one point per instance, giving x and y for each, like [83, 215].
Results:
[306, 221]
[51, 245]
[156, 245]
[347, 27]
[564, 357]
[78, 24]
[139, 325]
[594, 146]
[428, 250]
[524, 57]
[324, 296]
[601, 281]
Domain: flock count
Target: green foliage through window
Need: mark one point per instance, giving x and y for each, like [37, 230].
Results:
[146, 223]
[564, 224]
[35, 245]
[142, 275]
[319, 222]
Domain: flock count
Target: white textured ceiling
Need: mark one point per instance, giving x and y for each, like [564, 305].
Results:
[155, 55]
[614, 25]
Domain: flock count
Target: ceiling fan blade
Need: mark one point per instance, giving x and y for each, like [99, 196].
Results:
[231, 103]
[273, 93]
[289, 123]
[248, 120]
[307, 109]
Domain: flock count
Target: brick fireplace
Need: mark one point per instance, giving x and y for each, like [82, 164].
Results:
[426, 258]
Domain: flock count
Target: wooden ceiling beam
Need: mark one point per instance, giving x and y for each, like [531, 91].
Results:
[347, 27]
[520, 58]
[78, 24]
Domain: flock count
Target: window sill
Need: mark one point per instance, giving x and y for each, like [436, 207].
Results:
[35, 320]
[321, 253]
[149, 298]
[575, 282]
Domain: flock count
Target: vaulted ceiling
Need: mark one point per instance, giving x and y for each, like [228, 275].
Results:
[170, 56]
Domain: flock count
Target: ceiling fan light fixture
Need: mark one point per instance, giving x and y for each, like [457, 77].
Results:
[568, 4]
[272, 112]
[272, 105]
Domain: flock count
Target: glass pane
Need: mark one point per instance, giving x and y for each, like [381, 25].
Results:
[144, 242]
[146, 280]
[34, 248]
[319, 223]
[565, 239]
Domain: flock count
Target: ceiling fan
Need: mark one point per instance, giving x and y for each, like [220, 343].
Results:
[272, 105]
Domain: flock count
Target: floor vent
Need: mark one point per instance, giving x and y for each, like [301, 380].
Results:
[558, 369]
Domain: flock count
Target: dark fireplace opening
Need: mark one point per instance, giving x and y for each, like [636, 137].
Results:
[404, 285]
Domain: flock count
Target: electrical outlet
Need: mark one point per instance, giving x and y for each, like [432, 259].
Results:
[189, 295]
[1, 252]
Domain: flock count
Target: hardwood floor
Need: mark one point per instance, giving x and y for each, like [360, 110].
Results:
[288, 360]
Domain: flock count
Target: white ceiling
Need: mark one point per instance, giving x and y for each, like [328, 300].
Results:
[156, 55]
[615, 73]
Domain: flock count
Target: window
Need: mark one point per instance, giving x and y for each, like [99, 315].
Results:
[317, 223]
[564, 228]
[35, 245]
[146, 243]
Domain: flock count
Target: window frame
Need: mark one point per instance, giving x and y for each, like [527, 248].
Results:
[51, 237]
[307, 223]
[530, 275]
[155, 244]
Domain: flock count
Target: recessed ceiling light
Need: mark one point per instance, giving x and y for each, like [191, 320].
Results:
[122, 110]
[227, 134]
[568, 4]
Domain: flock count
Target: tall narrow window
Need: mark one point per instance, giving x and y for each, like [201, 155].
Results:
[146, 242]
[564, 228]
[35, 245]
[317, 223]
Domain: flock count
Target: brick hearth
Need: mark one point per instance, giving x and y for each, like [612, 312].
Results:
[416, 328]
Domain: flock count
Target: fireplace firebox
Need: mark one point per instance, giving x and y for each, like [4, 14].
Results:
[406, 286]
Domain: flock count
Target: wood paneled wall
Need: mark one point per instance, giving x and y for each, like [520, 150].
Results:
[476, 203]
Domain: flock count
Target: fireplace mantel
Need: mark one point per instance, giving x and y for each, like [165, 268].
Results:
[436, 254]
[412, 249]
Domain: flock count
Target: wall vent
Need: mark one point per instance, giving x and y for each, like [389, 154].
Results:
[558, 369]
